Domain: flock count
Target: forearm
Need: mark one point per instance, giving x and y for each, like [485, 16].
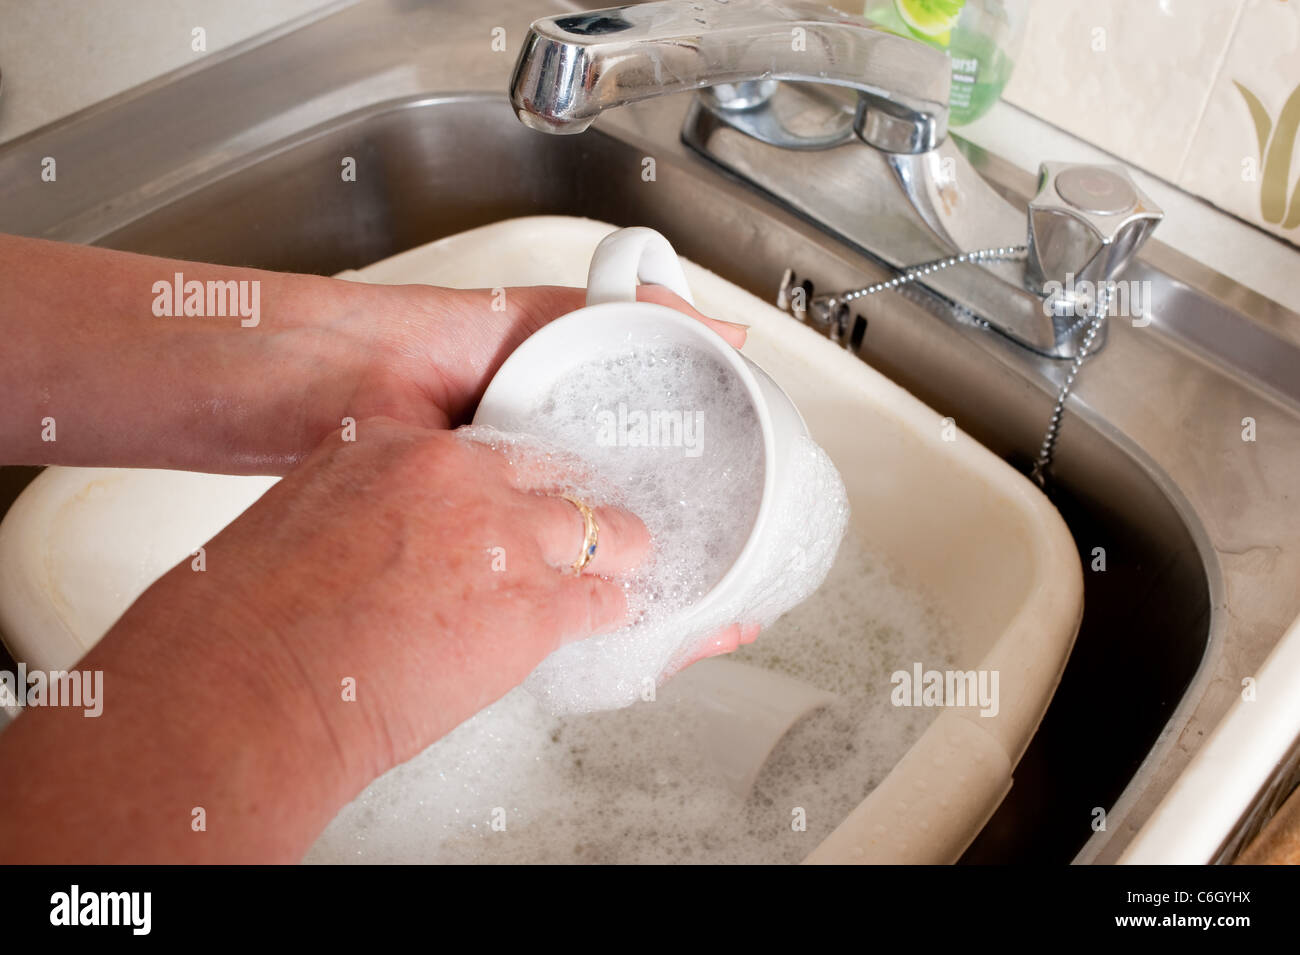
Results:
[104, 364]
[92, 375]
[207, 749]
[324, 643]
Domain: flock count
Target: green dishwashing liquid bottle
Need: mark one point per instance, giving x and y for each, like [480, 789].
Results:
[981, 37]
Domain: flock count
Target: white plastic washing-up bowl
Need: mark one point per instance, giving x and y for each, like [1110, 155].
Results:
[955, 521]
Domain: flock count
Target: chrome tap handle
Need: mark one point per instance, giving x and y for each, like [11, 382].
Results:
[1085, 225]
[573, 67]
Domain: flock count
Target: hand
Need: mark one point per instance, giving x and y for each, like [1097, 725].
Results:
[210, 394]
[374, 565]
[434, 350]
[438, 363]
[418, 563]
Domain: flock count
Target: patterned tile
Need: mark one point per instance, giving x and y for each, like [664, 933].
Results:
[1245, 156]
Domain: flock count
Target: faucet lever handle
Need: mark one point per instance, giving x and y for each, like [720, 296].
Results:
[1085, 225]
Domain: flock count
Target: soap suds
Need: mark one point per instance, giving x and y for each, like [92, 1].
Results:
[635, 785]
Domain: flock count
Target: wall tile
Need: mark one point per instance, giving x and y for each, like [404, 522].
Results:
[1256, 96]
[1131, 76]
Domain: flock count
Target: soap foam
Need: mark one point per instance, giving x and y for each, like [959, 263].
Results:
[668, 432]
[636, 786]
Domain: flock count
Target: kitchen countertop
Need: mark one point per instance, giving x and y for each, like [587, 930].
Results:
[60, 56]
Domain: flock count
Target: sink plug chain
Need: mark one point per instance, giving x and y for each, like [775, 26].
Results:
[829, 311]
[825, 307]
[1048, 447]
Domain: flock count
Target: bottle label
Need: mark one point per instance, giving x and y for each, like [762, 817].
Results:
[965, 71]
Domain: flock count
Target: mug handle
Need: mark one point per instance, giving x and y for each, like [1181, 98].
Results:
[627, 255]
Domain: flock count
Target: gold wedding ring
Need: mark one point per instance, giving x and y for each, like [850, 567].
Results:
[590, 534]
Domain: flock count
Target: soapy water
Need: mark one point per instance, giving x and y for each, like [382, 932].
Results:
[578, 765]
[668, 432]
[515, 784]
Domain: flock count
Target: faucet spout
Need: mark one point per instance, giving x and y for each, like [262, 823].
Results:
[574, 67]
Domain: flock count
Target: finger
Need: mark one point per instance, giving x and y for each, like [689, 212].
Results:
[659, 295]
[622, 541]
[590, 605]
[726, 640]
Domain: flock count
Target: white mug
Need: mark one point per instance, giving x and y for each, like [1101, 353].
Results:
[612, 317]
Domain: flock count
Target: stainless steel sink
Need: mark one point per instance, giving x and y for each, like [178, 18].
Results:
[1201, 541]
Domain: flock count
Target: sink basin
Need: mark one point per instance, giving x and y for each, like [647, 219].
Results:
[1188, 537]
[279, 214]
[973, 540]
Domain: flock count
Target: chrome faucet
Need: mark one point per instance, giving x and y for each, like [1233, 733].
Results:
[911, 198]
[574, 67]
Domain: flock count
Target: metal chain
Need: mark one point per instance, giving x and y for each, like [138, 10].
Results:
[999, 253]
[1048, 447]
